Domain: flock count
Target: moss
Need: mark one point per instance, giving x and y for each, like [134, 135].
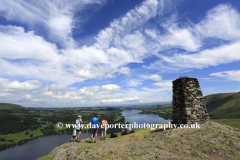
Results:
[47, 157]
[80, 151]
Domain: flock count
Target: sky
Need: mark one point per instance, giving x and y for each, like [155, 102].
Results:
[80, 53]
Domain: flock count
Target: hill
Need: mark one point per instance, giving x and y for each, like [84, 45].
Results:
[223, 105]
[211, 141]
[8, 107]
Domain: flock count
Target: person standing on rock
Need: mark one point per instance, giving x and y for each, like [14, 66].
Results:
[104, 127]
[78, 128]
[94, 128]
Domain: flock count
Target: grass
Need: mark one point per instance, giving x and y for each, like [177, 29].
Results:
[224, 105]
[47, 157]
[16, 137]
[117, 119]
[14, 107]
[230, 122]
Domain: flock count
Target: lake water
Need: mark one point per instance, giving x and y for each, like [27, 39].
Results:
[132, 116]
[44, 145]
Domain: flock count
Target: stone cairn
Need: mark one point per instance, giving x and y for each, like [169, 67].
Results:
[188, 102]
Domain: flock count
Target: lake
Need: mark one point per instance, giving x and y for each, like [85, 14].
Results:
[44, 145]
[132, 116]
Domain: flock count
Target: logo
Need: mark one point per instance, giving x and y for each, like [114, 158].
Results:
[59, 125]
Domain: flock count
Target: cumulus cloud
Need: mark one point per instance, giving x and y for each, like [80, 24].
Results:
[73, 88]
[166, 85]
[110, 87]
[88, 90]
[18, 44]
[12, 86]
[156, 77]
[123, 70]
[133, 82]
[233, 75]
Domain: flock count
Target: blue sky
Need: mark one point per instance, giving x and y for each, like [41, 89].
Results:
[73, 53]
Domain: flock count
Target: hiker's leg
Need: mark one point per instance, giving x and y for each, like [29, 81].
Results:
[105, 133]
[102, 133]
[91, 136]
[95, 136]
[79, 132]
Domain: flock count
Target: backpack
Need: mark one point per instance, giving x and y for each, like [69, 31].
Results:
[132, 131]
[113, 135]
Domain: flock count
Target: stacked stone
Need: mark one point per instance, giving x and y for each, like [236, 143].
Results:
[188, 102]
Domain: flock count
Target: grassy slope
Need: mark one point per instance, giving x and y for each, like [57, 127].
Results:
[16, 137]
[224, 105]
[14, 107]
[230, 122]
[211, 141]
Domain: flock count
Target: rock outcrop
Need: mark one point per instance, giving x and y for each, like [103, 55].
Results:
[211, 141]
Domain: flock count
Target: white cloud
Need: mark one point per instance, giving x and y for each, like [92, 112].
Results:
[13, 86]
[86, 74]
[89, 90]
[56, 16]
[119, 100]
[134, 82]
[18, 44]
[136, 100]
[127, 39]
[229, 75]
[210, 57]
[56, 88]
[221, 22]
[73, 88]
[123, 70]
[110, 87]
[166, 85]
[152, 33]
[62, 95]
[4, 95]
[181, 38]
[156, 77]
[35, 100]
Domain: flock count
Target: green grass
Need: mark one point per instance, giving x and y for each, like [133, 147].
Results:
[167, 106]
[223, 105]
[230, 122]
[14, 107]
[117, 119]
[16, 137]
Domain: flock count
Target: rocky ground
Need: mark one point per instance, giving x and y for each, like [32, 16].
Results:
[211, 141]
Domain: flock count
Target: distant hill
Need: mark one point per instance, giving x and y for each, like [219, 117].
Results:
[7, 107]
[223, 105]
